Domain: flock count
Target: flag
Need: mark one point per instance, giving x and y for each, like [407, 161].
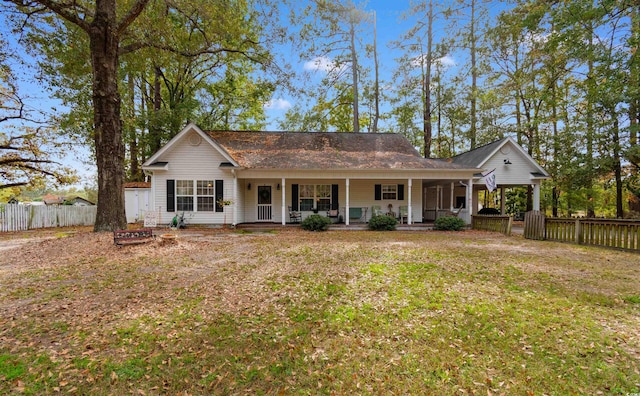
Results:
[490, 180]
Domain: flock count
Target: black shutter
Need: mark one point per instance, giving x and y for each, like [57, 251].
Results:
[219, 195]
[400, 192]
[294, 197]
[334, 197]
[171, 195]
[378, 193]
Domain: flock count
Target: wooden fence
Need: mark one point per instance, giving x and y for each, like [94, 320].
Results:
[27, 217]
[612, 233]
[494, 223]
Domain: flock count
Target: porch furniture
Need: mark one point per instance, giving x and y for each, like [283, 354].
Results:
[376, 211]
[357, 213]
[294, 216]
[390, 212]
[404, 214]
[334, 215]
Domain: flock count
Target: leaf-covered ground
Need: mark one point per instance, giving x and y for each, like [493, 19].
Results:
[294, 312]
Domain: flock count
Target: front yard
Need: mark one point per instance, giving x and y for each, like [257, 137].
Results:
[294, 312]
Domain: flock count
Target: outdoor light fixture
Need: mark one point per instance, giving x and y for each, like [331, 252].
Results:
[249, 186]
[278, 187]
[507, 162]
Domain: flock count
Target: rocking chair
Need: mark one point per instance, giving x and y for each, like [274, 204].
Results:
[294, 216]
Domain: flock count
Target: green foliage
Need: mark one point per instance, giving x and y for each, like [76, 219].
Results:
[382, 223]
[449, 223]
[316, 222]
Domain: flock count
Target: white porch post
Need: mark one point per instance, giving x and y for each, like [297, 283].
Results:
[234, 215]
[346, 209]
[409, 210]
[469, 198]
[502, 199]
[536, 196]
[451, 195]
[284, 204]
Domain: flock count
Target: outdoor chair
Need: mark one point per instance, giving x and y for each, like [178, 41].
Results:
[376, 210]
[334, 215]
[403, 212]
[294, 216]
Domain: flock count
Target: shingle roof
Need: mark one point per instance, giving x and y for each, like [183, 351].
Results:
[475, 157]
[137, 185]
[324, 150]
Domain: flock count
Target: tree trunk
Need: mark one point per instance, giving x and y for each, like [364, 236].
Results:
[104, 42]
[354, 71]
[474, 78]
[376, 116]
[134, 168]
[427, 127]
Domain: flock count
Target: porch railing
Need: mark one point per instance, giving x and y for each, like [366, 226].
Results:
[495, 223]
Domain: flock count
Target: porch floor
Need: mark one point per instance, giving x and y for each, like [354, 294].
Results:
[334, 227]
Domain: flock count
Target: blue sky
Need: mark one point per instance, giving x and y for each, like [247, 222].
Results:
[390, 26]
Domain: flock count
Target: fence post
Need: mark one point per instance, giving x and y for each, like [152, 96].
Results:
[534, 225]
[579, 238]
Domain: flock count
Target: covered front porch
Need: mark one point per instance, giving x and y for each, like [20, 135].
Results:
[350, 200]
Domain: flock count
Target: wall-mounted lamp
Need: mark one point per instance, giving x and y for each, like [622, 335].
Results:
[278, 186]
[249, 186]
[507, 162]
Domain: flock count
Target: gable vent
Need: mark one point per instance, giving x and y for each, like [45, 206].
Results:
[195, 139]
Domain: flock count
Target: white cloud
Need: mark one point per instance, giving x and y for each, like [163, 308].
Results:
[320, 63]
[277, 104]
[446, 61]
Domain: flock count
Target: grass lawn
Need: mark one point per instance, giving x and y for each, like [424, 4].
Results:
[340, 312]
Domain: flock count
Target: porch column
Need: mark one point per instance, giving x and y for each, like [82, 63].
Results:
[451, 195]
[536, 196]
[346, 209]
[502, 199]
[234, 215]
[469, 198]
[409, 210]
[284, 204]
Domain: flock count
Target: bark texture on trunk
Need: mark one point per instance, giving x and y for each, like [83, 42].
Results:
[104, 42]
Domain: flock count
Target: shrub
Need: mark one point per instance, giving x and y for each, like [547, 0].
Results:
[488, 211]
[382, 223]
[449, 223]
[315, 222]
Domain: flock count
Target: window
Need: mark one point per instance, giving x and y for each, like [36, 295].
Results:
[389, 191]
[307, 196]
[184, 195]
[195, 195]
[206, 196]
[323, 197]
[319, 194]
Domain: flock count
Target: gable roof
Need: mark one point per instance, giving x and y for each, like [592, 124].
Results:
[153, 163]
[478, 157]
[324, 150]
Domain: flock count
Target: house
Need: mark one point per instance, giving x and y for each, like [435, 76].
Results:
[247, 177]
[78, 201]
[51, 199]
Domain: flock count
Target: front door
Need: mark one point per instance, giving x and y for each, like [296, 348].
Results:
[265, 207]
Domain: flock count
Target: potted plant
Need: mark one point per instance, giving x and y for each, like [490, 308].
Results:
[224, 203]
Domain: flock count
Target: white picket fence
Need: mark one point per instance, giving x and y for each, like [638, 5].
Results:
[27, 217]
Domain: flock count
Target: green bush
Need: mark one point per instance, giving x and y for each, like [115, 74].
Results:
[315, 222]
[382, 223]
[449, 223]
[488, 211]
